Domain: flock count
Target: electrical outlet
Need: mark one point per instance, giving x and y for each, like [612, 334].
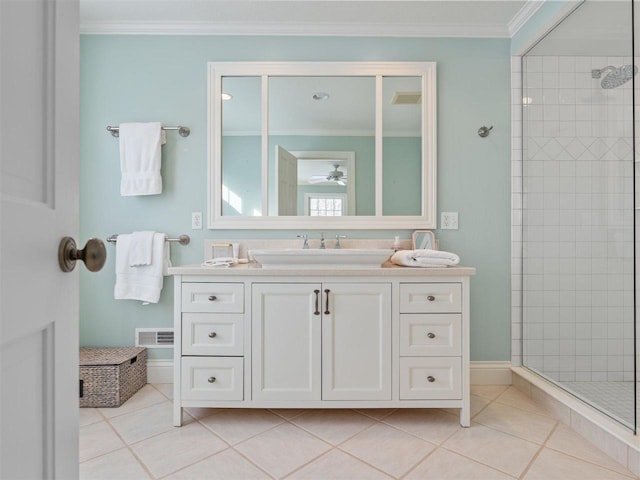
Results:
[196, 220]
[449, 220]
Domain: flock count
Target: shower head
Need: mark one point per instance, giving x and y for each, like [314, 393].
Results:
[615, 76]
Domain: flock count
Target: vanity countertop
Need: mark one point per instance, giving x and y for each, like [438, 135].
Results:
[387, 269]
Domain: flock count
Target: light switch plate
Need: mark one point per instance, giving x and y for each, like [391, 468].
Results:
[449, 220]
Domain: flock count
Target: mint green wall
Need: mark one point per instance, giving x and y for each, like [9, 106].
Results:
[163, 78]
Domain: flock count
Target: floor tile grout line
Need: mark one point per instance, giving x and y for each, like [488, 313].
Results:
[418, 437]
[376, 420]
[628, 473]
[419, 462]
[343, 440]
[479, 462]
[253, 463]
[538, 452]
[549, 416]
[161, 392]
[128, 446]
[364, 461]
[506, 387]
[555, 427]
[286, 418]
[510, 434]
[547, 413]
[243, 440]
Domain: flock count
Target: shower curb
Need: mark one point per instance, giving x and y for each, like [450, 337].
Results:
[606, 434]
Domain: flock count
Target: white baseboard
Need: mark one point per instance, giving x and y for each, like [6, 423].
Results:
[491, 373]
[482, 373]
[159, 371]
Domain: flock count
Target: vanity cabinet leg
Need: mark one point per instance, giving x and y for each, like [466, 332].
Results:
[465, 415]
[177, 415]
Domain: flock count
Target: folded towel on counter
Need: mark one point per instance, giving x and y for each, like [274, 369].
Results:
[140, 158]
[141, 249]
[142, 283]
[424, 258]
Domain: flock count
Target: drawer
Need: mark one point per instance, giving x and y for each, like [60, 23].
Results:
[213, 297]
[430, 298]
[213, 334]
[432, 334]
[426, 378]
[212, 378]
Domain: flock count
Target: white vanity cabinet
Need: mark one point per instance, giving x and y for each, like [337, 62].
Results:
[389, 337]
[321, 341]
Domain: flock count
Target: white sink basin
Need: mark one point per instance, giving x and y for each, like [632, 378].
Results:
[316, 258]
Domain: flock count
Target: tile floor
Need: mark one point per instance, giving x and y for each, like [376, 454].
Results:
[511, 438]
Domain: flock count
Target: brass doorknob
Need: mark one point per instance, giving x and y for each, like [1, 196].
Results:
[93, 254]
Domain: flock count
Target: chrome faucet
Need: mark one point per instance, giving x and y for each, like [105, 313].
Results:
[322, 246]
[306, 240]
[338, 237]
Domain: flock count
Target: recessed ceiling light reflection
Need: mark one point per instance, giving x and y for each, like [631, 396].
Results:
[226, 96]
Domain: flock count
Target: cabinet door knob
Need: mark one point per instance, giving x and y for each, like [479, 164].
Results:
[431, 298]
[211, 379]
[212, 298]
[431, 379]
[431, 335]
[213, 335]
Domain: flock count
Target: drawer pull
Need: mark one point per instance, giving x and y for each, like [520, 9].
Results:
[431, 298]
[213, 335]
[211, 379]
[431, 379]
[430, 335]
[212, 298]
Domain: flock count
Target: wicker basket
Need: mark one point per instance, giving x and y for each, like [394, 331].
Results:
[109, 376]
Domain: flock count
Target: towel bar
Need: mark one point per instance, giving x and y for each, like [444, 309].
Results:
[182, 131]
[182, 239]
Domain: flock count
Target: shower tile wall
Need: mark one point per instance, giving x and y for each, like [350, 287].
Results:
[577, 212]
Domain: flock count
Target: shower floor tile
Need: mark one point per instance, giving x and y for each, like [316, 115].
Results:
[614, 398]
[318, 444]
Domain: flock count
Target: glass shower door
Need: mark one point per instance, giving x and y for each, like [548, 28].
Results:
[578, 208]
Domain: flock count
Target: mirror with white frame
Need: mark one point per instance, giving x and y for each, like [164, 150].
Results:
[322, 145]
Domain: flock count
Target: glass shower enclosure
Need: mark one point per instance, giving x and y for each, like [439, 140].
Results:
[579, 207]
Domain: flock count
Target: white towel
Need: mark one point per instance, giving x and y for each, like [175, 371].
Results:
[142, 283]
[141, 249]
[140, 158]
[425, 258]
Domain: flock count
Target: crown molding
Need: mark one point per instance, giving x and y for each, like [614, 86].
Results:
[523, 15]
[298, 29]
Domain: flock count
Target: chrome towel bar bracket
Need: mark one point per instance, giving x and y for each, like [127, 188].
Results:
[182, 131]
[182, 239]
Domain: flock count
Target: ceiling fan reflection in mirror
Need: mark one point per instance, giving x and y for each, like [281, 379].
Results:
[334, 176]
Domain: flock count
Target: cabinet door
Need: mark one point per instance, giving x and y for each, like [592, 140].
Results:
[356, 341]
[286, 329]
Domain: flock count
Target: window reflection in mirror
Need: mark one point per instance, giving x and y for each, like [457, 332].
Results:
[401, 145]
[321, 113]
[241, 146]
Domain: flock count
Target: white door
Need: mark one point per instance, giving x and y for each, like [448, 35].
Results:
[286, 328]
[39, 151]
[356, 341]
[286, 182]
